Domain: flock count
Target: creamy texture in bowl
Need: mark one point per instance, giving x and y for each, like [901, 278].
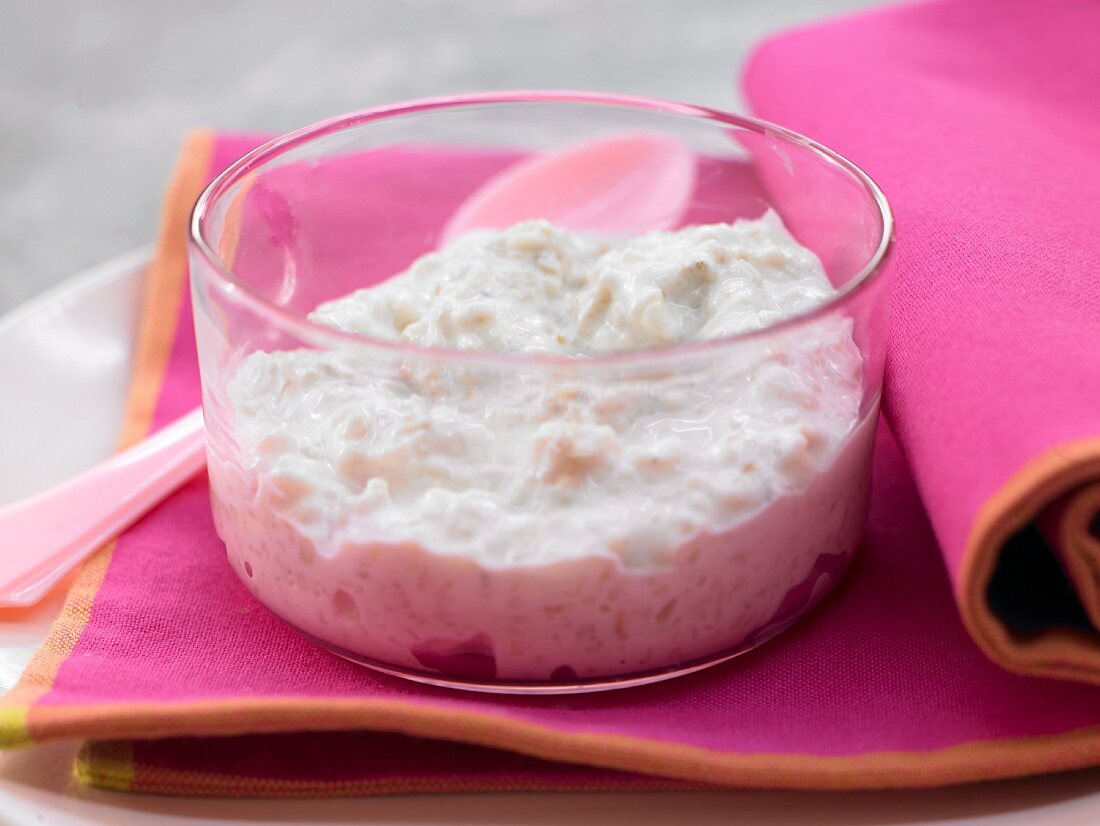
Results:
[555, 522]
[535, 288]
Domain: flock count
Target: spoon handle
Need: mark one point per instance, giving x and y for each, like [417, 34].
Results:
[47, 535]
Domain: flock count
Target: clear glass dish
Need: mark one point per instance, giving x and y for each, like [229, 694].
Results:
[316, 214]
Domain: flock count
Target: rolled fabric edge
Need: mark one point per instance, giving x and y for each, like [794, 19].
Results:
[1059, 492]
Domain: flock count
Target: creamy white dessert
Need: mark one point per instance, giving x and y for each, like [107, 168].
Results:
[567, 518]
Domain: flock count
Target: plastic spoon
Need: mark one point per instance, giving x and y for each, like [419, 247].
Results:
[631, 182]
[634, 182]
[46, 535]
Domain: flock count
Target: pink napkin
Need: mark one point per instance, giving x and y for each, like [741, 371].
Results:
[981, 121]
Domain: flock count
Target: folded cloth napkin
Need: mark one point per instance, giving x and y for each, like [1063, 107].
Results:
[981, 120]
[161, 654]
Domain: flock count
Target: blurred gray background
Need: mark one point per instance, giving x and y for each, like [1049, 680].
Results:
[95, 95]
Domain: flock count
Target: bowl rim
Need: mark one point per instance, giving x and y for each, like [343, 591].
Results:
[309, 331]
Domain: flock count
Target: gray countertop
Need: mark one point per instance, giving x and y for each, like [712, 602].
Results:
[95, 96]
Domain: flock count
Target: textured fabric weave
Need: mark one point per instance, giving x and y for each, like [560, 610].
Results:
[981, 121]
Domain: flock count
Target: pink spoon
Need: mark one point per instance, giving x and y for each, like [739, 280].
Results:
[634, 182]
[626, 183]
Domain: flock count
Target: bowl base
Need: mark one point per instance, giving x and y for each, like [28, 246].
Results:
[800, 601]
[550, 687]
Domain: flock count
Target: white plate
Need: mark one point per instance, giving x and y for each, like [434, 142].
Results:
[64, 364]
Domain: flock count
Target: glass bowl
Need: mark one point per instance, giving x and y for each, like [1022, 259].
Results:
[362, 522]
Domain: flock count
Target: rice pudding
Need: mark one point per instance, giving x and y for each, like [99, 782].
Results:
[536, 525]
